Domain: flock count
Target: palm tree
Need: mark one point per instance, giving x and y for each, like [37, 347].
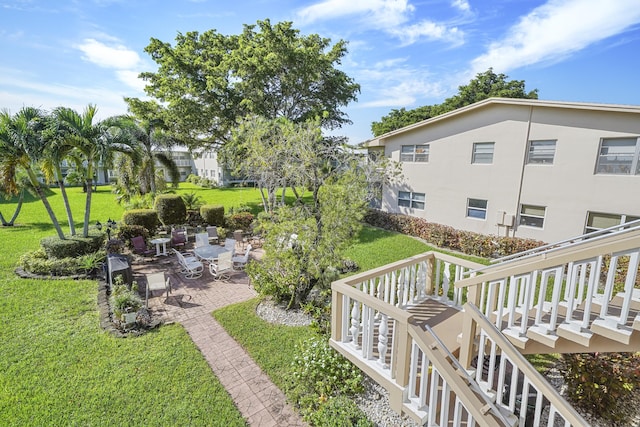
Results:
[21, 147]
[151, 139]
[95, 142]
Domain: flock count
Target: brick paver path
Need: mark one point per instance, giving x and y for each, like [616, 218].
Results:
[191, 302]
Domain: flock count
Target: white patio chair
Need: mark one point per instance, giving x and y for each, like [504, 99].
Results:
[202, 239]
[223, 268]
[240, 262]
[190, 267]
[230, 245]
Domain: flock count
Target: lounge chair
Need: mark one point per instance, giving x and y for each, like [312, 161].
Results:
[140, 246]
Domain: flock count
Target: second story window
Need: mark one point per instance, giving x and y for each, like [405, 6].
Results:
[597, 220]
[409, 199]
[619, 156]
[414, 153]
[532, 216]
[482, 152]
[541, 152]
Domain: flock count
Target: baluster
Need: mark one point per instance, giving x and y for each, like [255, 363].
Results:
[438, 282]
[529, 283]
[387, 289]
[394, 288]
[383, 339]
[446, 280]
[632, 269]
[355, 323]
[594, 269]
[555, 299]
[345, 318]
[422, 279]
[608, 287]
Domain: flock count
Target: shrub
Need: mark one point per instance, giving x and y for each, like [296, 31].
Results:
[598, 382]
[71, 246]
[338, 412]
[239, 221]
[447, 237]
[127, 232]
[320, 373]
[212, 214]
[171, 209]
[192, 201]
[37, 262]
[147, 218]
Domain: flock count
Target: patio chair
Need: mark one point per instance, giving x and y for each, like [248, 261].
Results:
[157, 282]
[190, 267]
[202, 239]
[240, 262]
[230, 245]
[212, 232]
[178, 238]
[223, 268]
[140, 246]
[238, 236]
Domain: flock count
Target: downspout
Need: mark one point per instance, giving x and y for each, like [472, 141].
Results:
[524, 162]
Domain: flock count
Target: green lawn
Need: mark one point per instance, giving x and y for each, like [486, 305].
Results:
[58, 367]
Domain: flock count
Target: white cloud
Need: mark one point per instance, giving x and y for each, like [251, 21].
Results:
[429, 30]
[555, 30]
[116, 56]
[462, 5]
[130, 78]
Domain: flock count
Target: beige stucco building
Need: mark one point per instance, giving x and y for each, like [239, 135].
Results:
[528, 168]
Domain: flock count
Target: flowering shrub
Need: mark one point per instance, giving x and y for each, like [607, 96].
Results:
[448, 237]
[320, 374]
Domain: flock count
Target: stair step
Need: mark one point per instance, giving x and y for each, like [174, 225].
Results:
[541, 334]
[610, 328]
[573, 331]
[513, 334]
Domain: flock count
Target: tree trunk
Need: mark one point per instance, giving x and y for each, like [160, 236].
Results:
[15, 213]
[45, 202]
[65, 199]
[87, 207]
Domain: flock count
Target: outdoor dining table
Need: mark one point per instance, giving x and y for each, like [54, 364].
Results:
[209, 252]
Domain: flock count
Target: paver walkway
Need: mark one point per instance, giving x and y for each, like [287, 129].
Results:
[191, 302]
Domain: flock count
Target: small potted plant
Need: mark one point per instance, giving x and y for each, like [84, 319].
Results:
[125, 303]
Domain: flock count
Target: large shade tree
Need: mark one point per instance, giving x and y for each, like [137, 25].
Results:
[209, 81]
[485, 85]
[22, 147]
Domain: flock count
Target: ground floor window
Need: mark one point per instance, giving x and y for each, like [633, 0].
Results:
[477, 208]
[532, 216]
[598, 221]
[410, 199]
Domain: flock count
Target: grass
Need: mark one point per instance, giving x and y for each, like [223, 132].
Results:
[58, 367]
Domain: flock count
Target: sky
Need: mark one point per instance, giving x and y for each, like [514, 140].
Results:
[403, 53]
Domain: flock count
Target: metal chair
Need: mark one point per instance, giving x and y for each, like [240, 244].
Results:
[223, 268]
[240, 262]
[157, 282]
[140, 246]
[212, 232]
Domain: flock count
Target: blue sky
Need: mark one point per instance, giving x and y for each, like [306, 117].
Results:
[403, 53]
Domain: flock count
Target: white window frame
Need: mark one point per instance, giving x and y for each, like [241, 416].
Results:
[415, 153]
[477, 209]
[541, 152]
[621, 167]
[622, 218]
[481, 152]
[411, 200]
[528, 219]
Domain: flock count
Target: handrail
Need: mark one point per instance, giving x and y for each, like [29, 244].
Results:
[346, 289]
[471, 382]
[589, 249]
[533, 376]
[550, 247]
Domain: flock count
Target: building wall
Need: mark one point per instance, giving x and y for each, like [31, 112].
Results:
[568, 188]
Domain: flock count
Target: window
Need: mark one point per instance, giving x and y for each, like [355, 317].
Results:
[414, 153]
[541, 152]
[482, 152]
[597, 221]
[477, 208]
[411, 200]
[619, 157]
[532, 216]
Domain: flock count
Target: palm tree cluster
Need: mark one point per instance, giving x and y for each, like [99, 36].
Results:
[33, 141]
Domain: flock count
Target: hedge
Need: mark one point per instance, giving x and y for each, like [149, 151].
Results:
[212, 214]
[148, 218]
[171, 209]
[72, 246]
[447, 237]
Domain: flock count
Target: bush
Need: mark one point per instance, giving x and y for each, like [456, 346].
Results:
[171, 209]
[598, 382]
[147, 218]
[127, 232]
[338, 412]
[212, 214]
[73, 246]
[239, 221]
[444, 236]
[37, 262]
[319, 374]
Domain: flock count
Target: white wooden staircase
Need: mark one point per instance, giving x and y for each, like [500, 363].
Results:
[446, 336]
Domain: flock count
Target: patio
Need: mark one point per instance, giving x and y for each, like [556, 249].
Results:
[190, 303]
